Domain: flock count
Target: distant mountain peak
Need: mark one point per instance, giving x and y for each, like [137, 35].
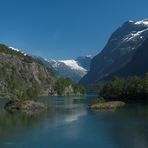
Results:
[72, 68]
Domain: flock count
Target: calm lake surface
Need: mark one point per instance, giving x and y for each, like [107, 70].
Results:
[70, 124]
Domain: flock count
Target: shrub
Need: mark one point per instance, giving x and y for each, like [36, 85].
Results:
[122, 88]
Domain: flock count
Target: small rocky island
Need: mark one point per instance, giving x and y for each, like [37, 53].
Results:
[102, 105]
[25, 106]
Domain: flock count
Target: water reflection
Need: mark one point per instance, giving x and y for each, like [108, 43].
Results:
[129, 127]
[70, 124]
[15, 124]
[75, 115]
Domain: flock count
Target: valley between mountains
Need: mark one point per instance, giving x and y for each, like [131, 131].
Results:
[125, 55]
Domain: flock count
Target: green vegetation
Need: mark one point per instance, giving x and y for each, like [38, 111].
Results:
[79, 89]
[22, 94]
[26, 106]
[107, 106]
[66, 85]
[12, 81]
[101, 100]
[126, 88]
[61, 84]
[31, 92]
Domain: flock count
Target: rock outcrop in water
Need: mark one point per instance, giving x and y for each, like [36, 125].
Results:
[105, 106]
[25, 106]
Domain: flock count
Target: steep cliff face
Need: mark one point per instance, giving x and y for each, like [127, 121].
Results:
[118, 51]
[19, 73]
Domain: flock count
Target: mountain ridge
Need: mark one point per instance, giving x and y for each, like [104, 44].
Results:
[118, 51]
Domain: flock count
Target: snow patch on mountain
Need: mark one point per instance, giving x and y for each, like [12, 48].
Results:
[140, 29]
[73, 64]
[72, 68]
[142, 22]
[18, 50]
[134, 34]
[54, 63]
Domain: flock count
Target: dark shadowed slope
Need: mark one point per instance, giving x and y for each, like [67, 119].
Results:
[138, 65]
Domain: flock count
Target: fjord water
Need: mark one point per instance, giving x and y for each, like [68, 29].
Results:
[70, 124]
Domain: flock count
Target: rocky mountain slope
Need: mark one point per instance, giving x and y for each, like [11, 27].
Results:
[19, 73]
[119, 50]
[138, 65]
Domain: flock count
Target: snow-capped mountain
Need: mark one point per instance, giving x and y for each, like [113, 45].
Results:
[73, 69]
[118, 51]
[70, 68]
[139, 32]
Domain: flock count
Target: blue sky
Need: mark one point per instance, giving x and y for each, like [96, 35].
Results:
[64, 29]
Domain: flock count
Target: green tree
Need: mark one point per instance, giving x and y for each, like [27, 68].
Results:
[61, 84]
[79, 89]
